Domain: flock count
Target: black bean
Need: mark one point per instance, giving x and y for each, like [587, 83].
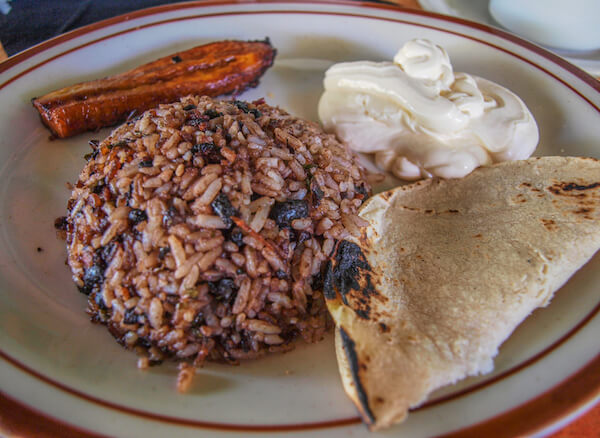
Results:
[136, 216]
[135, 234]
[223, 290]
[363, 191]
[100, 301]
[283, 213]
[146, 163]
[281, 274]
[104, 254]
[302, 236]
[194, 118]
[245, 342]
[61, 223]
[163, 251]
[176, 59]
[189, 107]
[256, 113]
[317, 193]
[129, 193]
[209, 151]
[119, 144]
[144, 343]
[237, 237]
[92, 278]
[241, 105]
[198, 320]
[94, 274]
[289, 334]
[171, 217]
[222, 207]
[199, 148]
[212, 114]
[99, 188]
[89, 156]
[130, 317]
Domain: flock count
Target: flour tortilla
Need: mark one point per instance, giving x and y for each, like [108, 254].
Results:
[447, 269]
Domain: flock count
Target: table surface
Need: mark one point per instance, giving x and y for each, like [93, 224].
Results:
[70, 14]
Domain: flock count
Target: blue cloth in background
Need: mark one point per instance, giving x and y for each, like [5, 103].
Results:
[30, 22]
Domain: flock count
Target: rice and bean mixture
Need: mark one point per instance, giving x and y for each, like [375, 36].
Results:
[201, 230]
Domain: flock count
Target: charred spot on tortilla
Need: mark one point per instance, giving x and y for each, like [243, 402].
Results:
[355, 367]
[365, 312]
[328, 289]
[350, 275]
[549, 224]
[386, 195]
[344, 274]
[585, 212]
[572, 188]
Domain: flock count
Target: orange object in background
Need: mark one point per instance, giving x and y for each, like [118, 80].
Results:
[586, 426]
[3, 54]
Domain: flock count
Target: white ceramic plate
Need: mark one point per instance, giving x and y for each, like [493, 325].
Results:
[477, 10]
[61, 375]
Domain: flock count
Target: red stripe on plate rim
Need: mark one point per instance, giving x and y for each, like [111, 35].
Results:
[294, 426]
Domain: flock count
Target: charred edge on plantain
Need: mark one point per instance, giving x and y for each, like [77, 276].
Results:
[351, 356]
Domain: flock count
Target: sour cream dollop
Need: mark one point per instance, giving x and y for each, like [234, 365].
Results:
[421, 119]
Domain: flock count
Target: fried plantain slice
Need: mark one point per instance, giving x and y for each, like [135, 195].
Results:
[214, 69]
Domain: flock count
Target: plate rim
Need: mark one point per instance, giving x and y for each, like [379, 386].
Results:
[360, 4]
[26, 421]
[586, 393]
